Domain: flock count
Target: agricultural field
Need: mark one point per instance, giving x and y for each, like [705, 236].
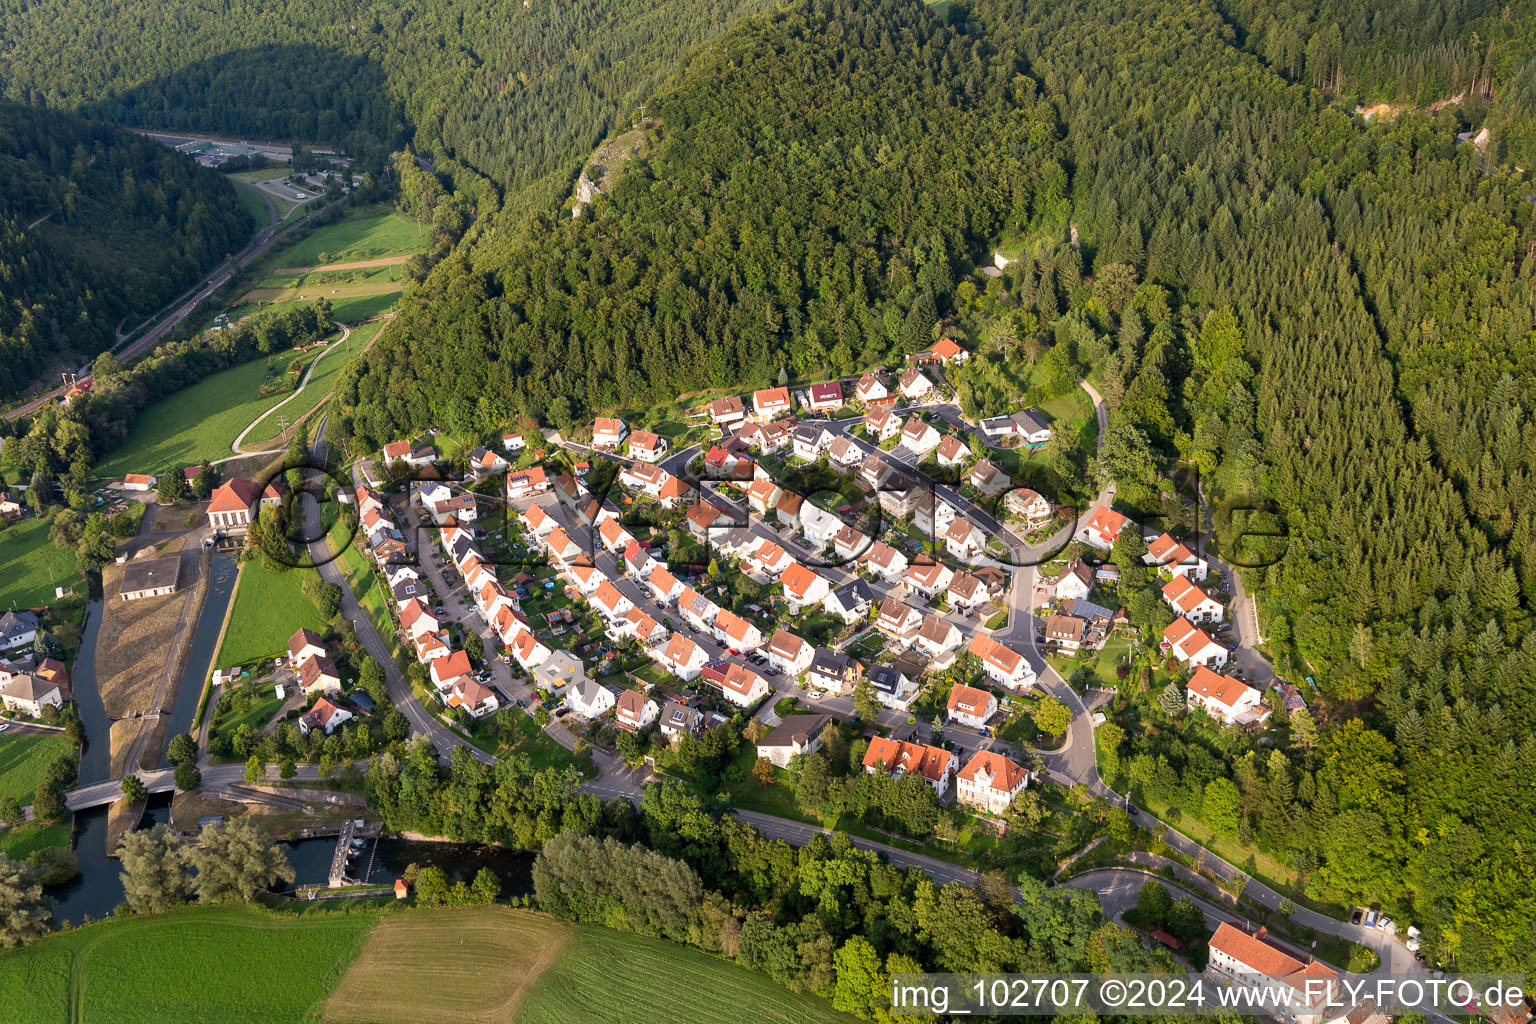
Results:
[31, 565]
[354, 295]
[373, 235]
[269, 608]
[24, 757]
[197, 423]
[172, 968]
[318, 390]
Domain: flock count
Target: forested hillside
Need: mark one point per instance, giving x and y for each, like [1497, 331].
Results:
[821, 183]
[515, 91]
[96, 224]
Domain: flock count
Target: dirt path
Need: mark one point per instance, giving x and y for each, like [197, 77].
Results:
[385, 261]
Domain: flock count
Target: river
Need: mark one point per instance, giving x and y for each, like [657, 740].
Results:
[96, 758]
[222, 572]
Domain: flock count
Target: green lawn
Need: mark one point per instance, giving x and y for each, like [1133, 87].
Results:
[22, 841]
[320, 384]
[237, 965]
[606, 977]
[23, 759]
[364, 582]
[257, 715]
[541, 749]
[368, 236]
[31, 566]
[269, 608]
[196, 423]
[252, 201]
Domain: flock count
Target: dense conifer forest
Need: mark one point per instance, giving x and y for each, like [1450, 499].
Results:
[96, 224]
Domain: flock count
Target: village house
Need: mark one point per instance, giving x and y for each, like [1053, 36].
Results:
[513, 441]
[27, 689]
[589, 699]
[638, 561]
[416, 618]
[476, 699]
[643, 478]
[1102, 528]
[849, 544]
[1190, 600]
[527, 482]
[696, 609]
[893, 687]
[882, 424]
[484, 464]
[17, 629]
[588, 578]
[723, 464]
[934, 765]
[763, 496]
[490, 598]
[736, 632]
[138, 482]
[966, 592]
[787, 509]
[1174, 558]
[851, 601]
[818, 526]
[970, 706]
[765, 438]
[614, 537]
[318, 675]
[789, 653]
[609, 602]
[682, 657]
[803, 587]
[896, 495]
[742, 686]
[408, 590]
[1028, 505]
[833, 671]
[914, 385]
[664, 586]
[963, 539]
[232, 505]
[771, 403]
[431, 645]
[724, 412]
[1074, 582]
[608, 432]
[647, 446]
[640, 627]
[1067, 632]
[794, 736]
[899, 621]
[845, 454]
[561, 547]
[987, 478]
[939, 639]
[1231, 700]
[678, 719]
[952, 452]
[9, 504]
[528, 650]
[1190, 644]
[325, 716]
[634, 710]
[703, 516]
[944, 352]
[873, 391]
[928, 578]
[539, 520]
[769, 559]
[560, 668]
[989, 781]
[919, 437]
[303, 645]
[930, 514]
[885, 561]
[1301, 992]
[1002, 664]
[826, 396]
[150, 577]
[875, 470]
[810, 440]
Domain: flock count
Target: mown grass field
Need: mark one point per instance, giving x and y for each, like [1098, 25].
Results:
[234, 965]
[31, 566]
[318, 390]
[252, 202]
[365, 236]
[196, 423]
[23, 759]
[21, 841]
[269, 608]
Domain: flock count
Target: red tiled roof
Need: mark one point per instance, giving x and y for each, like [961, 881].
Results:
[1006, 775]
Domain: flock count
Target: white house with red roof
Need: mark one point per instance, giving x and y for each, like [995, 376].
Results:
[742, 686]
[1174, 557]
[561, 547]
[303, 645]
[513, 441]
[987, 478]
[664, 586]
[588, 578]
[914, 385]
[849, 544]
[431, 645]
[682, 657]
[1190, 600]
[1293, 989]
[445, 670]
[873, 391]
[736, 632]
[610, 602]
[608, 432]
[770, 559]
[826, 396]
[771, 403]
[1231, 700]
[928, 578]
[528, 650]
[647, 446]
[696, 609]
[763, 496]
[882, 424]
[1002, 664]
[919, 437]
[416, 618]
[233, 505]
[963, 539]
[952, 452]
[803, 587]
[473, 697]
[934, 764]
[1030, 506]
[634, 710]
[885, 561]
[899, 621]
[789, 653]
[944, 352]
[1103, 526]
[1190, 644]
[614, 537]
[325, 716]
[524, 483]
[969, 706]
[989, 781]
